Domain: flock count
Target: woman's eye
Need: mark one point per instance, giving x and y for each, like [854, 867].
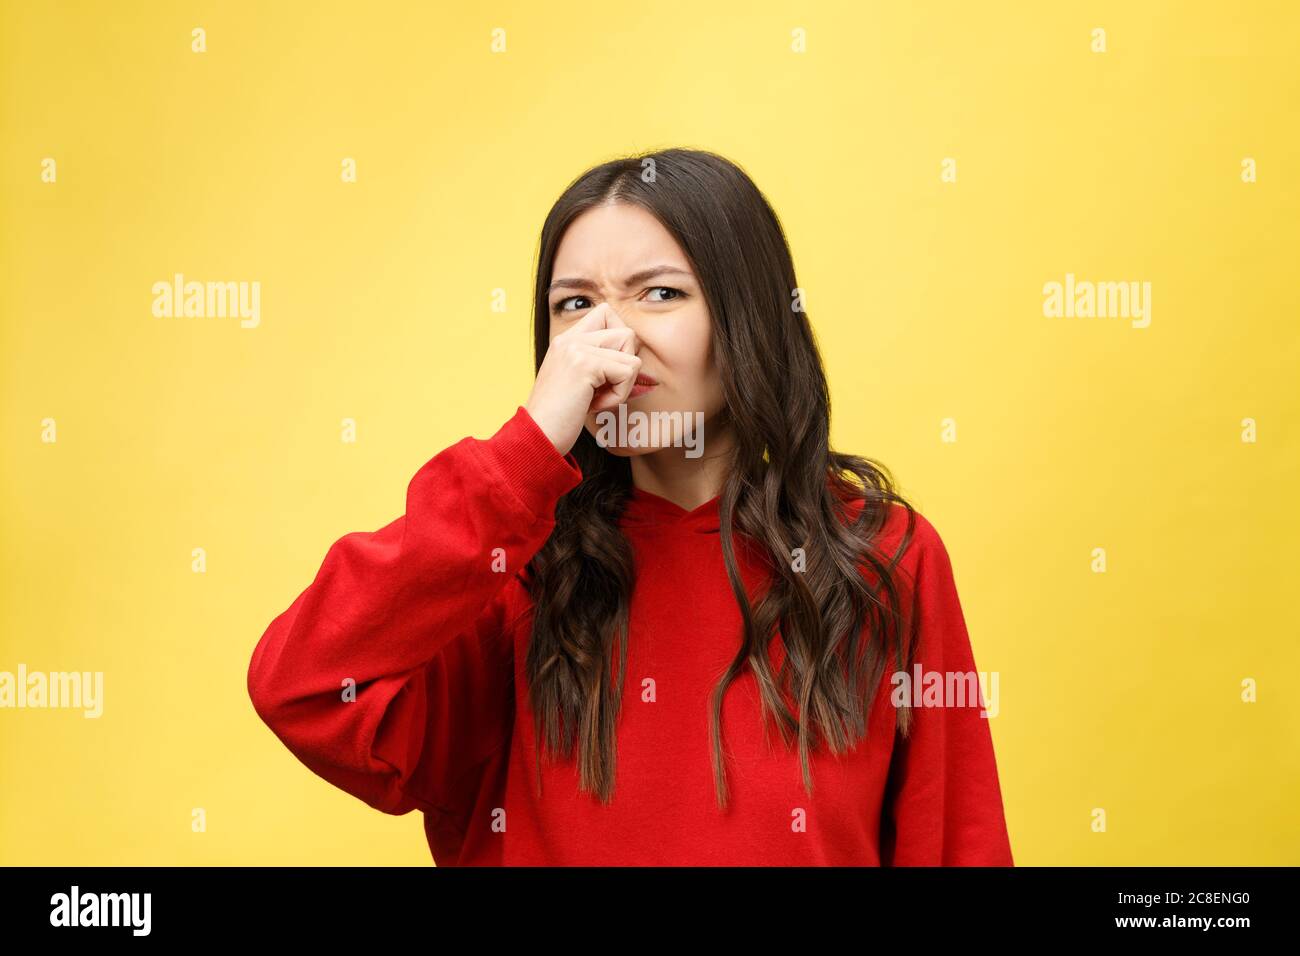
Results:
[677, 293]
[559, 306]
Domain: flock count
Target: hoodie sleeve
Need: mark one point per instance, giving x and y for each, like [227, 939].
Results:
[943, 802]
[390, 675]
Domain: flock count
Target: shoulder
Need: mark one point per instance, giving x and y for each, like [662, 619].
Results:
[904, 531]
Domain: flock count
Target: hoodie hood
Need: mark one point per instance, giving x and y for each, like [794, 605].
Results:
[645, 509]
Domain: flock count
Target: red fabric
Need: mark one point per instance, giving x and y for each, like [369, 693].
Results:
[435, 642]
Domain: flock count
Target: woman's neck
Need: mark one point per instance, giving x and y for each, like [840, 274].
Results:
[687, 482]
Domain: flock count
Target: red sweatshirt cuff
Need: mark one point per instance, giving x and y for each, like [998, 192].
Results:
[528, 465]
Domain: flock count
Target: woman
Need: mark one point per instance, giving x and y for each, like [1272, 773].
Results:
[572, 646]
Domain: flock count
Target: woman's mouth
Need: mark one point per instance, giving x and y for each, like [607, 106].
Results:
[642, 385]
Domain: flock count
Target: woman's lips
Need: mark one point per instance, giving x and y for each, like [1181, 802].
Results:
[642, 385]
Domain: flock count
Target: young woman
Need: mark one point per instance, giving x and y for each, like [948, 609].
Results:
[572, 647]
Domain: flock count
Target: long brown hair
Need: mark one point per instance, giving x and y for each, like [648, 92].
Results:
[785, 489]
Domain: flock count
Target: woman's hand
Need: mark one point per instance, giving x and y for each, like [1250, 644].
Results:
[588, 368]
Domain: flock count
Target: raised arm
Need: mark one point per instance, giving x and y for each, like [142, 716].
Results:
[354, 677]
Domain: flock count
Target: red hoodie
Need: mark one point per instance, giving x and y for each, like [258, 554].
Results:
[438, 718]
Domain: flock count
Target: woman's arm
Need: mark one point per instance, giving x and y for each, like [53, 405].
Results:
[413, 614]
[943, 802]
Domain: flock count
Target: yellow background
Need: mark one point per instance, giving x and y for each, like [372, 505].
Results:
[1118, 690]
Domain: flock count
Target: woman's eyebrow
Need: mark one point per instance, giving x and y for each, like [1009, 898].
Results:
[634, 279]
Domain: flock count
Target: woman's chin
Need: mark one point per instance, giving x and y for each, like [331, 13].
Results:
[626, 451]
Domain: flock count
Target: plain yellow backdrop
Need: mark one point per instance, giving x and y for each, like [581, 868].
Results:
[1119, 691]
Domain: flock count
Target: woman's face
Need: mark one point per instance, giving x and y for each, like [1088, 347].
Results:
[607, 255]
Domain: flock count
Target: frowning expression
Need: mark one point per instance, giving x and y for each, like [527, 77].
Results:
[622, 255]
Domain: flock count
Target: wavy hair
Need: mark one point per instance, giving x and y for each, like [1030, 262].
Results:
[785, 489]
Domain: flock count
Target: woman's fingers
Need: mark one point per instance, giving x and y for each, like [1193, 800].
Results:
[614, 321]
[623, 340]
[602, 326]
[589, 367]
[617, 372]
